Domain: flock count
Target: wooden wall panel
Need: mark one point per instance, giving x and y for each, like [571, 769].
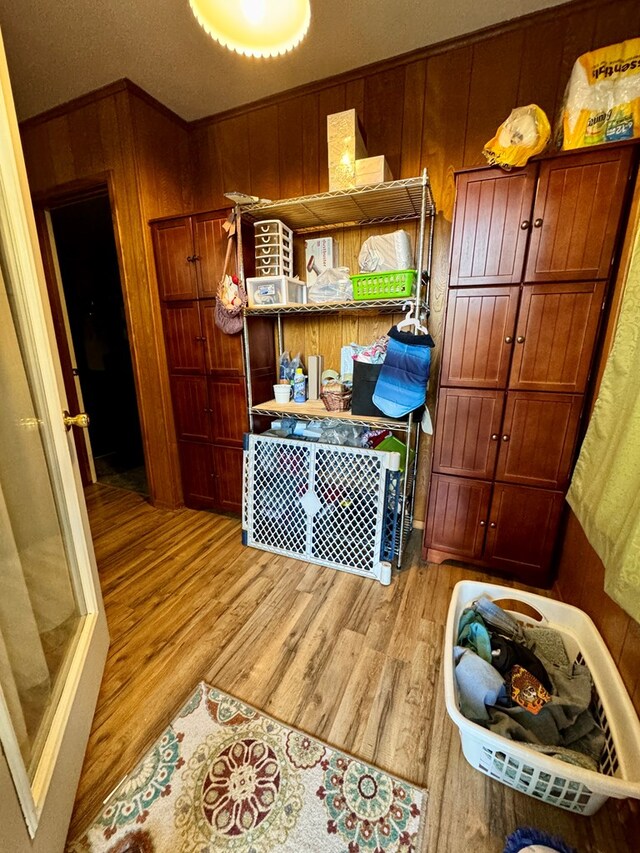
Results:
[109, 133]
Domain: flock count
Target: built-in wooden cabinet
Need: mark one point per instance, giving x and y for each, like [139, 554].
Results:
[532, 253]
[206, 366]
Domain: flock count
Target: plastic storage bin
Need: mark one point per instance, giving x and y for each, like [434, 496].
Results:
[513, 763]
[383, 285]
[275, 290]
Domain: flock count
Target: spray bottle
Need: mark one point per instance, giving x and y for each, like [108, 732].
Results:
[299, 386]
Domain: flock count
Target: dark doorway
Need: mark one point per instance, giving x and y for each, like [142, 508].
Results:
[90, 278]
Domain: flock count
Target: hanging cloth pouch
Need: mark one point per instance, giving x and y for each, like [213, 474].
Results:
[231, 297]
[402, 384]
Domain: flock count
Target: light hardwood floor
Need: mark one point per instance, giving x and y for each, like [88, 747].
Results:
[343, 658]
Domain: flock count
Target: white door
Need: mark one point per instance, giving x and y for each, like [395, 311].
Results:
[53, 634]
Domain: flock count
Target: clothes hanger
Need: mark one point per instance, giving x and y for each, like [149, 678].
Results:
[409, 320]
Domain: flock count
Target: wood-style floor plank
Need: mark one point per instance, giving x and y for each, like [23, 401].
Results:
[343, 658]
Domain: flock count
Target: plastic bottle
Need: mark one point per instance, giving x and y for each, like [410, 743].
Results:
[299, 386]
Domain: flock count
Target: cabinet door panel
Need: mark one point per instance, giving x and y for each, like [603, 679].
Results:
[456, 508]
[210, 247]
[488, 243]
[173, 246]
[228, 465]
[523, 528]
[467, 432]
[538, 438]
[228, 411]
[476, 353]
[223, 352]
[198, 475]
[191, 407]
[576, 215]
[183, 337]
[555, 336]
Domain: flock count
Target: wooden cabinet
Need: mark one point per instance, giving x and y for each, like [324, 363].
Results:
[175, 259]
[191, 408]
[457, 517]
[576, 215]
[517, 353]
[522, 530]
[538, 438]
[190, 253]
[183, 337]
[206, 366]
[491, 225]
[478, 338]
[556, 335]
[467, 432]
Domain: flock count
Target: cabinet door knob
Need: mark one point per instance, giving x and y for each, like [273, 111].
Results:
[199, 338]
[525, 224]
[495, 436]
[537, 223]
[508, 339]
[505, 438]
[492, 524]
[483, 523]
[520, 339]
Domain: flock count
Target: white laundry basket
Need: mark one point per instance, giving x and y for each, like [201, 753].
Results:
[514, 763]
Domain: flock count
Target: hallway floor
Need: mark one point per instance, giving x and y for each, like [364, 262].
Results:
[343, 658]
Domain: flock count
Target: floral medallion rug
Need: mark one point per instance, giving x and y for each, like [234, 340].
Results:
[224, 777]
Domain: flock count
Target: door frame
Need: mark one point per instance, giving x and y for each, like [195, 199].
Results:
[38, 810]
[43, 203]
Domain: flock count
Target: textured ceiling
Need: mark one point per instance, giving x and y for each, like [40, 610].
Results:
[59, 49]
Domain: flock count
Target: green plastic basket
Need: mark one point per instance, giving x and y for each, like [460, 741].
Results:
[383, 285]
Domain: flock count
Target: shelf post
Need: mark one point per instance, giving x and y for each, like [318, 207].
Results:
[245, 326]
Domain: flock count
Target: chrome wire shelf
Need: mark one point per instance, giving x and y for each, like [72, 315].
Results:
[380, 306]
[347, 208]
[314, 410]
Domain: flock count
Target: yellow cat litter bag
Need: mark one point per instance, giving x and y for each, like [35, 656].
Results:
[602, 101]
[525, 133]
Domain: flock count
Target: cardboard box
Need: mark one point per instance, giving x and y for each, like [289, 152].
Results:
[315, 366]
[319, 255]
[372, 170]
[345, 146]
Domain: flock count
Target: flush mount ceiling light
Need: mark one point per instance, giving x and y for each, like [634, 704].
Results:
[254, 27]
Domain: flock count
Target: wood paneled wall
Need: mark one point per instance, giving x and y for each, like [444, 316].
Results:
[143, 150]
[436, 108]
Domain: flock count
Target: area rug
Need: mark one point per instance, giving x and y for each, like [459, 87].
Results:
[225, 777]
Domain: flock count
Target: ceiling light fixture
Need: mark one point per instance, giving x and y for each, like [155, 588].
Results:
[254, 27]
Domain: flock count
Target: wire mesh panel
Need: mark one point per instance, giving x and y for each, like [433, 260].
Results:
[326, 504]
[280, 478]
[346, 529]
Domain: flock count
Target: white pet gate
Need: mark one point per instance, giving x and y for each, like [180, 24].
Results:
[322, 503]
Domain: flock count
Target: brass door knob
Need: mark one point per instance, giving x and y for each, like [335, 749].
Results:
[508, 339]
[492, 524]
[495, 436]
[482, 523]
[520, 339]
[80, 420]
[505, 438]
[525, 224]
[537, 223]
